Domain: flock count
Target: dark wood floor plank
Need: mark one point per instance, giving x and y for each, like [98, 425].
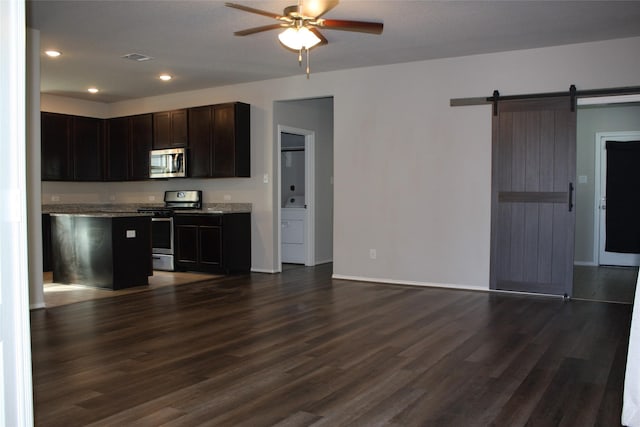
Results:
[299, 349]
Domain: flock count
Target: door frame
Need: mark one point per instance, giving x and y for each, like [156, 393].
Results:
[600, 176]
[309, 190]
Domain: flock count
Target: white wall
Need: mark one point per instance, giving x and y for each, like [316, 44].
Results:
[411, 174]
[77, 107]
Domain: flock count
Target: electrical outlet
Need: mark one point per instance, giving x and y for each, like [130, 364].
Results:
[131, 234]
[152, 198]
[55, 198]
[373, 254]
[227, 197]
[265, 178]
[112, 197]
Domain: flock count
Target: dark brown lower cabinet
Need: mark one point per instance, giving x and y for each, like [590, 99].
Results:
[213, 243]
[46, 242]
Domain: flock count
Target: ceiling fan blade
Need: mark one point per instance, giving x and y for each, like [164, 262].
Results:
[317, 8]
[252, 10]
[318, 34]
[359, 26]
[254, 30]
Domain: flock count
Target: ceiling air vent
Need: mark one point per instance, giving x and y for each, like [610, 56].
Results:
[137, 57]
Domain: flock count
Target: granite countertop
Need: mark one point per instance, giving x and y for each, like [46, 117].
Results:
[101, 214]
[132, 208]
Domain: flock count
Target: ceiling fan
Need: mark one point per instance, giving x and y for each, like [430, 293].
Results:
[302, 22]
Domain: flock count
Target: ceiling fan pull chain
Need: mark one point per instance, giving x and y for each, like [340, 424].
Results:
[308, 68]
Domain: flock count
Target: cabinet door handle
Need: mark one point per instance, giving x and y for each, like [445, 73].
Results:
[570, 196]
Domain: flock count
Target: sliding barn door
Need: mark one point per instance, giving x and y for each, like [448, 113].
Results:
[532, 214]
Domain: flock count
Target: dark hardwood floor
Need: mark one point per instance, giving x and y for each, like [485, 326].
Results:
[298, 349]
[605, 283]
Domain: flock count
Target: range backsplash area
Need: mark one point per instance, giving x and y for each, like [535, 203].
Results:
[229, 190]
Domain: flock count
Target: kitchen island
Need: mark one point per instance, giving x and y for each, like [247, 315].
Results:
[105, 250]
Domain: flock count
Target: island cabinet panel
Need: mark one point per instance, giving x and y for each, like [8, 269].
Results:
[88, 140]
[213, 243]
[170, 129]
[219, 141]
[56, 147]
[104, 251]
[46, 242]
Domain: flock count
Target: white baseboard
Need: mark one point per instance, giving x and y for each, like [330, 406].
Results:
[438, 285]
[585, 263]
[264, 270]
[324, 261]
[408, 282]
[37, 306]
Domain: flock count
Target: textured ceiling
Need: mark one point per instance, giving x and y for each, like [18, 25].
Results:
[194, 41]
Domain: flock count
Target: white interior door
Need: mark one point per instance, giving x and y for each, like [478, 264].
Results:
[604, 257]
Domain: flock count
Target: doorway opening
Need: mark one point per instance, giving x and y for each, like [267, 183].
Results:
[596, 276]
[303, 182]
[297, 202]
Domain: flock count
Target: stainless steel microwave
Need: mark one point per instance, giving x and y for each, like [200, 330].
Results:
[170, 163]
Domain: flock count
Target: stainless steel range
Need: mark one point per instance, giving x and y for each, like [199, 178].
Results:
[162, 224]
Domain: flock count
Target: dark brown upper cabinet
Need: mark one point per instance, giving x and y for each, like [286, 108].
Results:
[117, 149]
[76, 148]
[129, 140]
[71, 148]
[170, 129]
[200, 138]
[141, 144]
[219, 141]
[56, 147]
[88, 140]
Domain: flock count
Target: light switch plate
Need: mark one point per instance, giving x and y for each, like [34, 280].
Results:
[131, 234]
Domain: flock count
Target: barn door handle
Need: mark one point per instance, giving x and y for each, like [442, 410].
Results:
[570, 196]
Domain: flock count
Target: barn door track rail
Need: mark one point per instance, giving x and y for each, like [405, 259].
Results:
[573, 94]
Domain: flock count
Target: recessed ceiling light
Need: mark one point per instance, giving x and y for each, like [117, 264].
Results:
[93, 90]
[165, 77]
[52, 53]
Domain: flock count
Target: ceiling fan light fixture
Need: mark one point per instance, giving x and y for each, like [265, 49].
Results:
[298, 38]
